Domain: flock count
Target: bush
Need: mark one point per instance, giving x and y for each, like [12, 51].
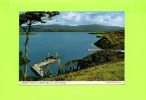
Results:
[100, 57]
[103, 43]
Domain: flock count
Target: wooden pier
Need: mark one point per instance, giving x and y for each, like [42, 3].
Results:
[38, 68]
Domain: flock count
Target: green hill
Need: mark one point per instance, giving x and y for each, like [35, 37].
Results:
[107, 72]
[79, 28]
[111, 40]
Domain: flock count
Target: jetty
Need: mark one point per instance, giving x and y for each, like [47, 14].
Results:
[38, 68]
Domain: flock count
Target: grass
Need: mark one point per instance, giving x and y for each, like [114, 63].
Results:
[107, 72]
[112, 38]
[116, 37]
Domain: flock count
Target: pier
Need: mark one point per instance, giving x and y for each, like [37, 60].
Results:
[38, 68]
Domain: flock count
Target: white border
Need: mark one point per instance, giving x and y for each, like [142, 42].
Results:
[71, 82]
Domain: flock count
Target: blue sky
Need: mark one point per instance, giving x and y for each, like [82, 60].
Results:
[84, 18]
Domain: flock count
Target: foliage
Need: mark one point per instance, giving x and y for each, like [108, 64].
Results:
[100, 57]
[29, 18]
[103, 43]
[114, 40]
[97, 58]
[107, 72]
[21, 75]
[22, 59]
[79, 28]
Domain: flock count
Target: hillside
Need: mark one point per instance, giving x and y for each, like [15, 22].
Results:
[80, 28]
[111, 40]
[107, 72]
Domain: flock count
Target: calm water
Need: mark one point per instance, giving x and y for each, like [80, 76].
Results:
[69, 45]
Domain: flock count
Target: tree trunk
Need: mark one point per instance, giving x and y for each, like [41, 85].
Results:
[26, 48]
[26, 57]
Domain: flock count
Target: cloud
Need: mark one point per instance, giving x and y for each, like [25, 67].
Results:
[84, 18]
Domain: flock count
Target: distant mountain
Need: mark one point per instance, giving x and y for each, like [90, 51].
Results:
[79, 28]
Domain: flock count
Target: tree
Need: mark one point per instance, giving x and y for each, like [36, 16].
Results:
[26, 20]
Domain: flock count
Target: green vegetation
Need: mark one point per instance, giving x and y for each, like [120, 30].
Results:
[113, 40]
[104, 65]
[100, 57]
[28, 19]
[101, 66]
[79, 28]
[106, 72]
[22, 59]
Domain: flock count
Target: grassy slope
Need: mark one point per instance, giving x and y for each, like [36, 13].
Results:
[115, 39]
[106, 72]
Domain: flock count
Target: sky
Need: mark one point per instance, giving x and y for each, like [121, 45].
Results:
[85, 18]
